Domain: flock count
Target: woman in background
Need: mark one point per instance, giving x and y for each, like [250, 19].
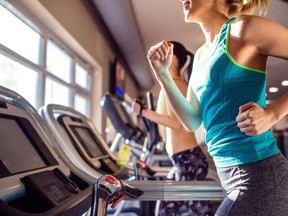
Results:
[189, 162]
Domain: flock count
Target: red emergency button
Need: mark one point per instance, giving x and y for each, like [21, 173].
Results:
[110, 179]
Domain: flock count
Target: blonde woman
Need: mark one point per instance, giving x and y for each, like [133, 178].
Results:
[227, 92]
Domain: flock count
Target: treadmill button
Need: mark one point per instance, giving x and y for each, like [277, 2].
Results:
[110, 179]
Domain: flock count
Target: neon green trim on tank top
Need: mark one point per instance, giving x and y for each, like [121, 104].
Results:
[233, 61]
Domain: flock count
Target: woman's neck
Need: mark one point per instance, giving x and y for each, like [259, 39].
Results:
[212, 27]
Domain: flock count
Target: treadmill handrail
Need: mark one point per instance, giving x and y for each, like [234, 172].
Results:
[178, 190]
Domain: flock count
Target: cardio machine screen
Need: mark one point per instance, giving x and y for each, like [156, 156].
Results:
[20, 147]
[89, 142]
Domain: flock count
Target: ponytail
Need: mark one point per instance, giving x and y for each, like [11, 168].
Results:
[238, 7]
[186, 69]
[185, 60]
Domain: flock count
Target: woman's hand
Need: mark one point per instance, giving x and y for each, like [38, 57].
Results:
[160, 57]
[254, 119]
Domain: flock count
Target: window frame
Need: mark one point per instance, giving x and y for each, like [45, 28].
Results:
[40, 68]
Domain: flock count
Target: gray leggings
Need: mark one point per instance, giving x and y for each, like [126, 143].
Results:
[255, 189]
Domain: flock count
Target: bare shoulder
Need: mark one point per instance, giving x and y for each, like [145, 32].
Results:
[246, 26]
[266, 36]
[250, 21]
[250, 26]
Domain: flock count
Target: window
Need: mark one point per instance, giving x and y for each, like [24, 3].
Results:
[82, 77]
[19, 78]
[18, 36]
[82, 104]
[56, 93]
[83, 82]
[58, 62]
[36, 66]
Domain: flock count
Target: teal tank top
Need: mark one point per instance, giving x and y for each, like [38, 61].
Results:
[222, 86]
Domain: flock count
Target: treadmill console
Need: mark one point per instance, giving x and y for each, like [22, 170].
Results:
[33, 180]
[88, 145]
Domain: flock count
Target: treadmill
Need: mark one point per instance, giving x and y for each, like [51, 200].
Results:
[116, 109]
[79, 137]
[119, 117]
[80, 142]
[33, 179]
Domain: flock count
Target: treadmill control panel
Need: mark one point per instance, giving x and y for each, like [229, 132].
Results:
[52, 186]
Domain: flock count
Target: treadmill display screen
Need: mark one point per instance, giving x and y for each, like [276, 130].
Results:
[89, 143]
[17, 152]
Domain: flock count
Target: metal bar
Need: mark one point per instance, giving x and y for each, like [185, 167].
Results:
[178, 190]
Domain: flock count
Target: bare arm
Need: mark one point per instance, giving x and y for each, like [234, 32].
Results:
[170, 121]
[253, 119]
[269, 39]
[160, 57]
[166, 116]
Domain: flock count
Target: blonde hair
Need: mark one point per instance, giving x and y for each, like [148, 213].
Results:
[238, 7]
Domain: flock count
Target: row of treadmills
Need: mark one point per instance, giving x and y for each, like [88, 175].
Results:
[55, 162]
